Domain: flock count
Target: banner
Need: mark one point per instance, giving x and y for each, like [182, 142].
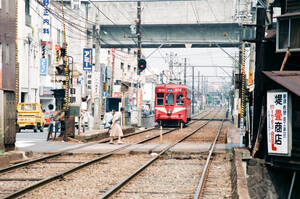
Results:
[279, 130]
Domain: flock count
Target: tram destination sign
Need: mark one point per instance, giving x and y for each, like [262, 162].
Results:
[279, 130]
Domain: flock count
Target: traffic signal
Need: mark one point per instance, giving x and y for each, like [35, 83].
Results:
[63, 52]
[61, 69]
[141, 65]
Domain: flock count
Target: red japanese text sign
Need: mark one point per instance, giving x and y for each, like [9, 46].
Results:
[278, 129]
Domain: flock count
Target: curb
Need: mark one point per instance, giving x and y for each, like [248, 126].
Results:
[238, 176]
[14, 157]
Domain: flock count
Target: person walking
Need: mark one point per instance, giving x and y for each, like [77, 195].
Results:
[116, 130]
[83, 116]
[52, 122]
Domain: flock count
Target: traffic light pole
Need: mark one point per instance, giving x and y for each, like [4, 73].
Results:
[139, 54]
[184, 71]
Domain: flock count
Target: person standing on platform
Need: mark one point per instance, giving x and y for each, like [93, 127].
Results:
[83, 110]
[116, 130]
[52, 122]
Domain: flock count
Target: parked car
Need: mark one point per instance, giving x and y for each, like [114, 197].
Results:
[30, 116]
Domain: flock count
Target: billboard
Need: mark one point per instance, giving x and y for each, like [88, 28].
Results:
[279, 130]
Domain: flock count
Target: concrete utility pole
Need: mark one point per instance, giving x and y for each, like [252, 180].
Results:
[97, 116]
[198, 96]
[184, 71]
[193, 92]
[139, 55]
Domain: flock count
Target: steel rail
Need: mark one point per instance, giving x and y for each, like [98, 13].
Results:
[203, 175]
[22, 164]
[60, 175]
[147, 164]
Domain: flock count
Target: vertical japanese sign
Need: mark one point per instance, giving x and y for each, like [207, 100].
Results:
[43, 67]
[46, 21]
[279, 130]
[87, 59]
[96, 84]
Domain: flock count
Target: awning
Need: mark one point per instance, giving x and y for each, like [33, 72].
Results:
[288, 79]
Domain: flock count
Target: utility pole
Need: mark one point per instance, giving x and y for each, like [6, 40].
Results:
[193, 92]
[184, 71]
[198, 88]
[97, 108]
[139, 55]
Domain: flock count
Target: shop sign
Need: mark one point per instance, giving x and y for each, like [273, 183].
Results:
[46, 21]
[279, 131]
[87, 59]
[43, 66]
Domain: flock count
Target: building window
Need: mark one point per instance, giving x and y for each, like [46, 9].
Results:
[134, 69]
[27, 7]
[7, 54]
[122, 66]
[129, 50]
[128, 67]
[108, 52]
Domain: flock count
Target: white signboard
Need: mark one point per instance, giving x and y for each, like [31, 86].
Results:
[46, 21]
[96, 84]
[279, 132]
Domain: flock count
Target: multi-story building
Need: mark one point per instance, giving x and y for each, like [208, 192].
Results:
[125, 70]
[39, 58]
[7, 71]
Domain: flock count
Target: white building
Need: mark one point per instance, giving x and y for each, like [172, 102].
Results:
[34, 86]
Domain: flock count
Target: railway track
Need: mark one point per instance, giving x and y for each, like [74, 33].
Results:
[157, 182]
[49, 168]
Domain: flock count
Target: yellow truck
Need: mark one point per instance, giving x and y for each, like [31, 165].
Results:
[30, 116]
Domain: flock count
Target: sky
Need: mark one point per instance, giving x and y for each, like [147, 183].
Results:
[159, 61]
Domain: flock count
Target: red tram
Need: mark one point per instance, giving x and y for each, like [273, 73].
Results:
[172, 104]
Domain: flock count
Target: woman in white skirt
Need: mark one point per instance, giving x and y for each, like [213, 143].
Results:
[116, 130]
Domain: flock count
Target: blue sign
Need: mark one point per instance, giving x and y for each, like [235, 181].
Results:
[104, 94]
[43, 67]
[170, 89]
[87, 59]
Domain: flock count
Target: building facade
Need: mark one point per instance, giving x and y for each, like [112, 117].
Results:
[7, 71]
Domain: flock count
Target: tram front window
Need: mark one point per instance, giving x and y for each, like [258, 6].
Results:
[160, 99]
[179, 100]
[170, 99]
